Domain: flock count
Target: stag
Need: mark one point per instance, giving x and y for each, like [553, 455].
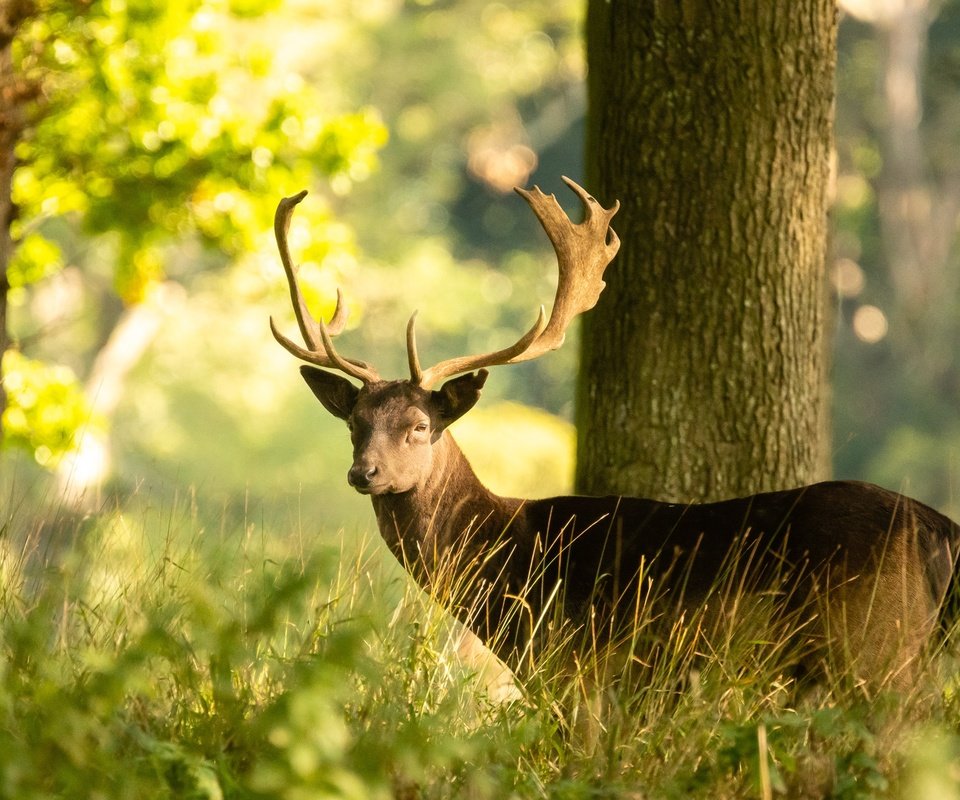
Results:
[863, 569]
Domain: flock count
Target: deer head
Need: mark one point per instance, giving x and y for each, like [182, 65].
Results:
[397, 426]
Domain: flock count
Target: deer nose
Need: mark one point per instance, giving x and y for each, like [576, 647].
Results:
[360, 476]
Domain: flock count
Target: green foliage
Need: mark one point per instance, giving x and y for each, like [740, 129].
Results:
[161, 665]
[164, 124]
[157, 126]
[46, 408]
[35, 258]
[856, 771]
[479, 96]
[144, 657]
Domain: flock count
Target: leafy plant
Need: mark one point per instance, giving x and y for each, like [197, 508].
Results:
[46, 407]
[149, 657]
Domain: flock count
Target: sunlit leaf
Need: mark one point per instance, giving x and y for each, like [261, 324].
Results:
[46, 408]
[159, 123]
[34, 259]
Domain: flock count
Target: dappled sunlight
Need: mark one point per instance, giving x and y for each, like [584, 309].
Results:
[498, 159]
[882, 11]
[81, 472]
[847, 278]
[869, 324]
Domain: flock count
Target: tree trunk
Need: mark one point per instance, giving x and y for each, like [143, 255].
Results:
[14, 93]
[9, 131]
[702, 372]
[918, 199]
[81, 474]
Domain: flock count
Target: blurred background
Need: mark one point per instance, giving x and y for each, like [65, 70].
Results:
[158, 138]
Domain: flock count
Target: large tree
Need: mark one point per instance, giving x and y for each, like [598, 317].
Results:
[703, 365]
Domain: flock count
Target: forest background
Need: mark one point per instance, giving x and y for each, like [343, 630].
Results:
[143, 365]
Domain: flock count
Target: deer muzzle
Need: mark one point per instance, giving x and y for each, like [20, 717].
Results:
[361, 477]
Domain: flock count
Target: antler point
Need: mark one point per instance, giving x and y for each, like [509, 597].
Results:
[413, 358]
[311, 327]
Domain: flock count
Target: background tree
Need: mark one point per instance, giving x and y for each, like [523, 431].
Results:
[16, 91]
[896, 272]
[153, 126]
[703, 365]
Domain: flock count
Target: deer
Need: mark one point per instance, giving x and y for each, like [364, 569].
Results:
[864, 570]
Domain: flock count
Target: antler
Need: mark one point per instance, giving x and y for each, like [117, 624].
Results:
[583, 252]
[317, 335]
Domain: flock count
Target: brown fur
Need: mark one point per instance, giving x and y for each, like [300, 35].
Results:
[865, 570]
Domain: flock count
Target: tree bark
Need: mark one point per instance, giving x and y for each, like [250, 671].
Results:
[15, 91]
[702, 371]
[9, 131]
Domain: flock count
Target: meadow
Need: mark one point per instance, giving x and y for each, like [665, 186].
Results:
[149, 653]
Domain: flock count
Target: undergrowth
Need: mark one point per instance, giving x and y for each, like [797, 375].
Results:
[143, 656]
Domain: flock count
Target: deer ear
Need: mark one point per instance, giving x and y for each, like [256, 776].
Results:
[457, 396]
[337, 394]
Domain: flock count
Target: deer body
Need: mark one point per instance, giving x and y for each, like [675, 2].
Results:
[863, 570]
[884, 559]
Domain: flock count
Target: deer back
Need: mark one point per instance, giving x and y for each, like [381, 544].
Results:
[886, 559]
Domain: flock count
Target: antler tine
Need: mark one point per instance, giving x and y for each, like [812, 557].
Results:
[583, 252]
[590, 206]
[317, 335]
[416, 374]
[429, 377]
[309, 328]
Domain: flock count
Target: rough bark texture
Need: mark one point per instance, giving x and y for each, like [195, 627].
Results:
[702, 372]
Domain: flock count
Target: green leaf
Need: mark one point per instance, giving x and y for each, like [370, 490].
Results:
[35, 258]
[46, 408]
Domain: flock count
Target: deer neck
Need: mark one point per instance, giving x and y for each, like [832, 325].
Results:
[448, 514]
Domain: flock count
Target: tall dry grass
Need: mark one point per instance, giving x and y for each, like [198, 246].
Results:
[145, 654]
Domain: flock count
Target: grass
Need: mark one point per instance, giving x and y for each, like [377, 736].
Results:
[144, 656]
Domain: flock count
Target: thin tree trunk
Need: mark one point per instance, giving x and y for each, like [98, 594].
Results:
[14, 93]
[918, 200]
[81, 474]
[9, 131]
[702, 371]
